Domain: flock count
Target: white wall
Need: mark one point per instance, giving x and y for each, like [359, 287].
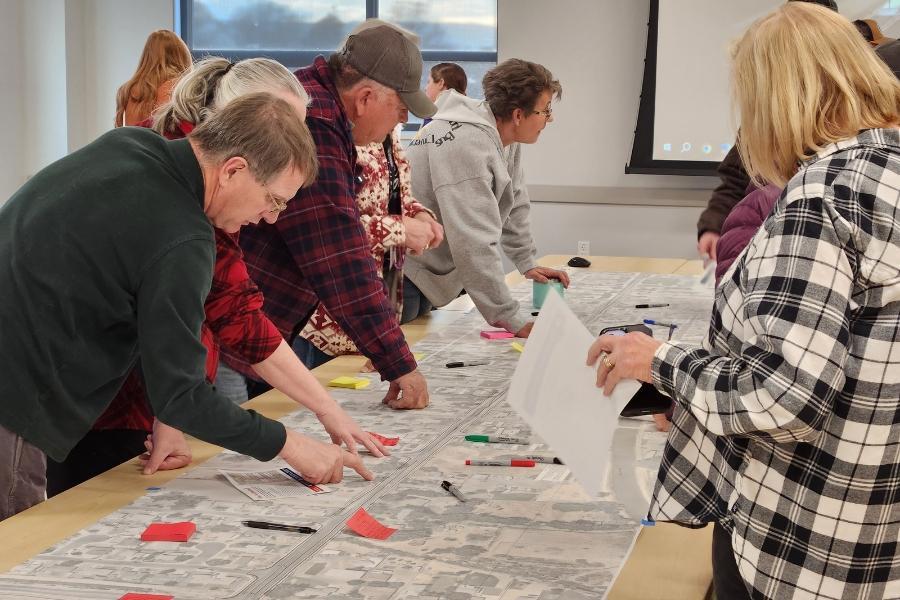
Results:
[596, 49]
[63, 61]
[108, 38]
[11, 100]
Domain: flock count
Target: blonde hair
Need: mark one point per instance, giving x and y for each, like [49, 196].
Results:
[265, 130]
[214, 82]
[804, 78]
[164, 58]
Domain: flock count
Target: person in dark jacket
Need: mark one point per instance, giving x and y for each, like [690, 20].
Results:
[107, 254]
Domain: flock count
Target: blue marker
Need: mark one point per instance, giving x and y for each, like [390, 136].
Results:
[659, 323]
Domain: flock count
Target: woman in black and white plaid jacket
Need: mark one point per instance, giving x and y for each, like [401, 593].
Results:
[786, 432]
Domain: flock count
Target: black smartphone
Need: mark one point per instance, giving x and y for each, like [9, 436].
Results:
[648, 400]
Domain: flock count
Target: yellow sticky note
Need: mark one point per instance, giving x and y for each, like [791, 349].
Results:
[353, 383]
[418, 356]
[517, 347]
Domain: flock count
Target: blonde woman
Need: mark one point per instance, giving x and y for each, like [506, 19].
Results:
[164, 59]
[786, 432]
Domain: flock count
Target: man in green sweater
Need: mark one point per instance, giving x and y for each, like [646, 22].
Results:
[107, 255]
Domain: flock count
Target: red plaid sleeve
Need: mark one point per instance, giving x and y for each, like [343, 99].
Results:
[234, 306]
[323, 233]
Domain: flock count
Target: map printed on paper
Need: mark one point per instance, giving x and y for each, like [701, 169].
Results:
[529, 533]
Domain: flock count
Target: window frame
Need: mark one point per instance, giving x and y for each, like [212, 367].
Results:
[296, 58]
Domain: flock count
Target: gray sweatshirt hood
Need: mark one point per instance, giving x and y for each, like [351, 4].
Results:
[455, 107]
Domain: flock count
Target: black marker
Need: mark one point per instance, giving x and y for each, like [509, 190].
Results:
[661, 305]
[453, 490]
[466, 363]
[279, 527]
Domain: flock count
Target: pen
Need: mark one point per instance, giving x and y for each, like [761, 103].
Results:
[278, 527]
[661, 305]
[466, 363]
[547, 460]
[499, 463]
[660, 323]
[535, 313]
[453, 490]
[497, 439]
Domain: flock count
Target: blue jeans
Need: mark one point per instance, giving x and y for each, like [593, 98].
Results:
[231, 384]
[415, 304]
[308, 354]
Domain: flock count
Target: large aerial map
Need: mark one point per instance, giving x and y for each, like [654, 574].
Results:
[529, 533]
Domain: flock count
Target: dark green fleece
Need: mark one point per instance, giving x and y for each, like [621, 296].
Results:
[107, 255]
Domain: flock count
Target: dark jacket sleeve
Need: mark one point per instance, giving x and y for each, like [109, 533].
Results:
[169, 315]
[732, 189]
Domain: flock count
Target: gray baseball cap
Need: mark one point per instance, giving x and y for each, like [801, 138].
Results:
[390, 55]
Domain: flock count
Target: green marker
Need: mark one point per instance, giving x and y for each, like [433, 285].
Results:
[496, 439]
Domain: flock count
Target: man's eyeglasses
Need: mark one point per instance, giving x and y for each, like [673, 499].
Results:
[278, 205]
[547, 112]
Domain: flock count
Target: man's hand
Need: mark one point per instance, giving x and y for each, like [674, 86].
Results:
[408, 391]
[707, 243]
[526, 330]
[418, 235]
[436, 228]
[319, 462]
[544, 274]
[166, 449]
[343, 429]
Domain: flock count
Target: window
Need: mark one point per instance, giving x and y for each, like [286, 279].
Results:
[293, 32]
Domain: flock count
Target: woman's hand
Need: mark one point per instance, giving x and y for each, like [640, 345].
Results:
[544, 274]
[436, 228]
[619, 357]
[418, 235]
[343, 429]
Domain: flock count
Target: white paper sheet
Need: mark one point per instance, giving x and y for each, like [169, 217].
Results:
[268, 485]
[556, 394]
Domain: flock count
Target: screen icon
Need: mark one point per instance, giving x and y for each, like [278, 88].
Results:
[686, 147]
[707, 148]
[725, 147]
[667, 147]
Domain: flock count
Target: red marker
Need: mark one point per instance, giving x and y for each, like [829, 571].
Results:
[500, 463]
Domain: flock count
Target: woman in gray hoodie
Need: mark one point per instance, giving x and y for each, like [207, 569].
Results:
[466, 168]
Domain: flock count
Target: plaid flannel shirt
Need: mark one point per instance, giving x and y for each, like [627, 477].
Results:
[787, 420]
[318, 251]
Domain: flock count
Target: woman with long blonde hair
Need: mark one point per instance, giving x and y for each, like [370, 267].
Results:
[164, 59]
[786, 432]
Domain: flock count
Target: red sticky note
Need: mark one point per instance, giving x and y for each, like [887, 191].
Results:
[169, 532]
[385, 441]
[136, 596]
[498, 334]
[365, 525]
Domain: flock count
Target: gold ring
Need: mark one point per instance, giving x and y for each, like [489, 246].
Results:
[609, 364]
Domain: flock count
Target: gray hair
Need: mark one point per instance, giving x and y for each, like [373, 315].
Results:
[214, 81]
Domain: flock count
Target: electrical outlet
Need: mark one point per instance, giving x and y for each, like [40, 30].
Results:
[584, 248]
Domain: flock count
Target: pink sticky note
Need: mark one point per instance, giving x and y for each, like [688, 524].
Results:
[365, 525]
[136, 596]
[497, 334]
[169, 532]
[385, 441]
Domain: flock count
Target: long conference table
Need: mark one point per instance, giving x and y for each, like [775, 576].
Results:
[666, 561]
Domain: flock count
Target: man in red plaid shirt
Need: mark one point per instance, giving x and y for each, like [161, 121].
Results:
[318, 251]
